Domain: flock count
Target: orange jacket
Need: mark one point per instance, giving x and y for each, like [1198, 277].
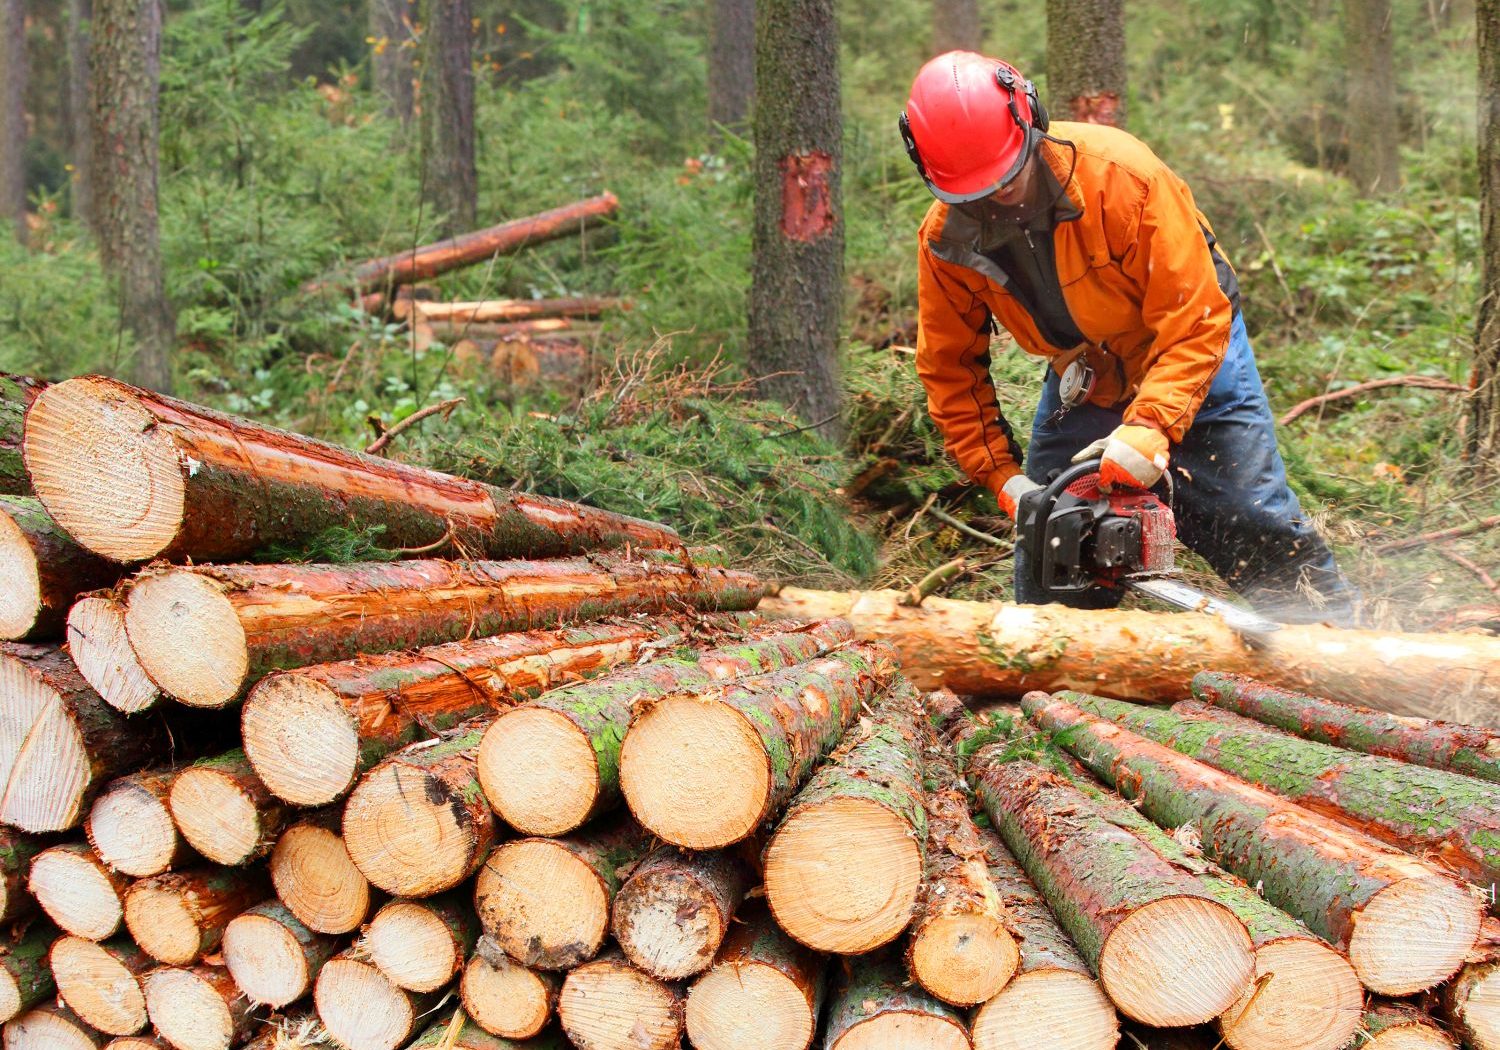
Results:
[1137, 275]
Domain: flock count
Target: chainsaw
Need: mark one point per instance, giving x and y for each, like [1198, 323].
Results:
[1078, 538]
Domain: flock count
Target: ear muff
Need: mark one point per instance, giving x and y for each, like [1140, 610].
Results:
[1039, 118]
[910, 142]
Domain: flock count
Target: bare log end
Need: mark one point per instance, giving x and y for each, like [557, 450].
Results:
[317, 881]
[505, 998]
[48, 770]
[190, 1010]
[74, 889]
[539, 771]
[162, 922]
[99, 987]
[217, 817]
[1177, 961]
[1048, 1007]
[361, 1007]
[610, 1005]
[1304, 994]
[409, 833]
[186, 634]
[303, 743]
[49, 1028]
[963, 959]
[742, 1004]
[20, 580]
[1414, 934]
[100, 648]
[413, 946]
[544, 906]
[898, 1028]
[131, 829]
[668, 924]
[266, 960]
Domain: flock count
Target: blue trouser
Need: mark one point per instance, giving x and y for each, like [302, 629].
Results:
[1229, 495]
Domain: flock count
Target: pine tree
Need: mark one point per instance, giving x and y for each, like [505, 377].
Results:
[1484, 421]
[1374, 133]
[1086, 60]
[449, 175]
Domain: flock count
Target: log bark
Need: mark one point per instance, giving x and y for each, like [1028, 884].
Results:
[608, 1004]
[505, 998]
[225, 811]
[179, 917]
[671, 915]
[1400, 1026]
[961, 949]
[363, 1009]
[450, 1035]
[499, 311]
[16, 395]
[843, 870]
[1429, 812]
[1003, 650]
[16, 852]
[101, 982]
[1406, 924]
[50, 1027]
[101, 650]
[315, 877]
[310, 733]
[79, 892]
[874, 1006]
[205, 634]
[704, 769]
[546, 902]
[549, 766]
[1166, 951]
[130, 824]
[61, 742]
[1465, 749]
[421, 945]
[197, 1009]
[26, 977]
[41, 571]
[418, 824]
[272, 955]
[167, 479]
[763, 989]
[467, 249]
[1053, 1000]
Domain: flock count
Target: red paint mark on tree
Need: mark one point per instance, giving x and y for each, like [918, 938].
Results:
[806, 200]
[1096, 109]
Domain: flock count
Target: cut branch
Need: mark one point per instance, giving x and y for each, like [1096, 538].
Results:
[1358, 389]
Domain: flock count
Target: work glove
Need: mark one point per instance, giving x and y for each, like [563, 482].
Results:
[1009, 496]
[1133, 457]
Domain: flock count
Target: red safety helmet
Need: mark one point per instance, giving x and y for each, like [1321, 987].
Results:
[970, 125]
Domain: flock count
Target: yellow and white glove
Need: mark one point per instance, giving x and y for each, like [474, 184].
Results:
[1009, 496]
[1133, 456]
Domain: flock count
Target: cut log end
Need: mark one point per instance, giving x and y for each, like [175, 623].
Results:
[46, 763]
[361, 1008]
[131, 829]
[539, 771]
[1305, 994]
[189, 1010]
[610, 1005]
[76, 892]
[1414, 934]
[101, 649]
[317, 881]
[904, 1031]
[98, 987]
[413, 946]
[217, 817]
[749, 1004]
[301, 740]
[695, 772]
[187, 637]
[668, 923]
[505, 998]
[1058, 1009]
[162, 923]
[104, 470]
[1475, 1006]
[401, 829]
[542, 905]
[266, 960]
[964, 959]
[20, 581]
[1177, 961]
[50, 1028]
[857, 904]
[1410, 1037]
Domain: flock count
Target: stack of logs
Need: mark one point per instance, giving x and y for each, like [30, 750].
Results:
[584, 795]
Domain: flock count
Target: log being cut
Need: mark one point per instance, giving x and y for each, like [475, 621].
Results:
[1405, 923]
[204, 634]
[134, 475]
[1000, 649]
[42, 569]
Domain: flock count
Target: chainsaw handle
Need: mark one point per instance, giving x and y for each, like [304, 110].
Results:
[1058, 485]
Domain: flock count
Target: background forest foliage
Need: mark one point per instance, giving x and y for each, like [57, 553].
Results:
[278, 162]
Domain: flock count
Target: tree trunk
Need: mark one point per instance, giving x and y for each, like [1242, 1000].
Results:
[1086, 60]
[731, 66]
[1484, 417]
[844, 868]
[549, 766]
[421, 945]
[315, 877]
[578, 876]
[16, 853]
[80, 122]
[310, 733]
[101, 983]
[1469, 750]
[272, 955]
[1374, 122]
[225, 811]
[13, 132]
[45, 570]
[1406, 924]
[125, 67]
[180, 917]
[956, 26]
[392, 55]
[1052, 982]
[608, 1004]
[130, 825]
[199, 1008]
[704, 769]
[451, 181]
[874, 1005]
[16, 395]
[26, 977]
[671, 915]
[764, 989]
[51, 1027]
[362, 1009]
[78, 891]
[1004, 650]
[1424, 811]
[505, 998]
[796, 289]
[215, 487]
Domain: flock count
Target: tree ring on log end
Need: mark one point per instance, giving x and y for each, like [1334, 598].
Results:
[899, 1029]
[1413, 934]
[749, 1004]
[20, 581]
[106, 472]
[542, 905]
[316, 880]
[401, 831]
[187, 1011]
[98, 987]
[505, 998]
[184, 630]
[1305, 994]
[132, 830]
[413, 946]
[539, 771]
[76, 894]
[965, 960]
[1054, 1008]
[46, 1028]
[162, 924]
[842, 876]
[668, 923]
[695, 772]
[1177, 961]
[44, 766]
[610, 1005]
[266, 960]
[100, 648]
[1409, 1037]
[360, 1006]
[302, 742]
[215, 815]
